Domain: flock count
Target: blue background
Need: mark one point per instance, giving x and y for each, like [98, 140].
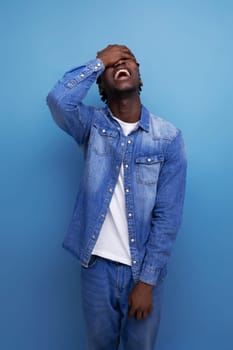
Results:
[186, 54]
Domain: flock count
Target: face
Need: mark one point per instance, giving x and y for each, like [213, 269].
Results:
[124, 77]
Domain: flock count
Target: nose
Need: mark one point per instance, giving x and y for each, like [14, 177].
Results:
[118, 63]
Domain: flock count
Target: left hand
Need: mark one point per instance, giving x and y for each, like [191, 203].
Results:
[140, 300]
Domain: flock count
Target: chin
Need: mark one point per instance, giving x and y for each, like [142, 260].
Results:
[126, 88]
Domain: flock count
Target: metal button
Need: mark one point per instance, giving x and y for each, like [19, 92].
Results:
[110, 189]
[122, 144]
[149, 159]
[103, 130]
[132, 240]
[126, 165]
[82, 75]
[93, 236]
[130, 214]
[134, 262]
[129, 141]
[70, 85]
[127, 190]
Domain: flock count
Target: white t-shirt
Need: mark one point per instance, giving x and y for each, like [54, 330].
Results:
[113, 240]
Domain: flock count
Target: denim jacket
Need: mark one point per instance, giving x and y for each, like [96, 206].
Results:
[154, 163]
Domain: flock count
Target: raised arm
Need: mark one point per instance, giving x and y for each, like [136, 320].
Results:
[65, 99]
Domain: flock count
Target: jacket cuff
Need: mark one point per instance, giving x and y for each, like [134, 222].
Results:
[152, 276]
[95, 65]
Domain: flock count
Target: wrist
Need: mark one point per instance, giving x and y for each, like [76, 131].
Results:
[146, 285]
[102, 59]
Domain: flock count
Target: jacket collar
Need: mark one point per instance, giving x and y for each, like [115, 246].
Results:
[144, 119]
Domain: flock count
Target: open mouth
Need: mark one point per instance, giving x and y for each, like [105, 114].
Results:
[122, 74]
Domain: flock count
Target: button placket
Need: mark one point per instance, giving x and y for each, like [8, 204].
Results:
[130, 203]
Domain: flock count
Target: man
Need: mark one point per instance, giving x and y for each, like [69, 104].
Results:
[129, 205]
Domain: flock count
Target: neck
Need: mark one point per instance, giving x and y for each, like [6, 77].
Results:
[127, 109]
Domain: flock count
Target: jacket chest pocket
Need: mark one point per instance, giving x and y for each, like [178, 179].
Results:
[102, 140]
[147, 168]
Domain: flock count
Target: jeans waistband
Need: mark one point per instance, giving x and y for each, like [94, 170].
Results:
[118, 263]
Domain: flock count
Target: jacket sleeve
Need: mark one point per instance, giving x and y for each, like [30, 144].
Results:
[65, 100]
[167, 213]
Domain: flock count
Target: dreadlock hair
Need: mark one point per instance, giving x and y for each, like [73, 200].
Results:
[104, 95]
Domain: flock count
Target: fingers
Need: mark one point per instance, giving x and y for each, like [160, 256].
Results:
[121, 48]
[125, 57]
[113, 54]
[139, 314]
[132, 310]
[126, 51]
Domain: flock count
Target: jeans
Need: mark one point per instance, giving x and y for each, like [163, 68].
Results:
[105, 289]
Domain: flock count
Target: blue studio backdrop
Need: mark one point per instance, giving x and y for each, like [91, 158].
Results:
[186, 52]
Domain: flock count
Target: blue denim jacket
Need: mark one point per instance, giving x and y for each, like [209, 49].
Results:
[154, 163]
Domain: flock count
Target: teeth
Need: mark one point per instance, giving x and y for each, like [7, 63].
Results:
[121, 71]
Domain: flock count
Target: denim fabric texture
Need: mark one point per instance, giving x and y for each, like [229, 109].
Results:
[105, 289]
[154, 163]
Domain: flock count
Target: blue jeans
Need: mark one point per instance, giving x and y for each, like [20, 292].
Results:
[105, 289]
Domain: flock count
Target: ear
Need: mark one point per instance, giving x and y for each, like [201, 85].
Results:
[140, 80]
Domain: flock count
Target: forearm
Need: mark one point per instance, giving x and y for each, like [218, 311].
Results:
[158, 251]
[65, 99]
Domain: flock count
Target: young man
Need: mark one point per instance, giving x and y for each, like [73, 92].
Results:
[129, 205]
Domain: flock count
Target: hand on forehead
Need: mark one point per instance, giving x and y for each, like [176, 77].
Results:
[112, 54]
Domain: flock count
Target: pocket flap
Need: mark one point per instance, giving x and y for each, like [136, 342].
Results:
[105, 131]
[150, 159]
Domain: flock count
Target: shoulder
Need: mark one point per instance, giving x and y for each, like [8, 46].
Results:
[161, 128]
